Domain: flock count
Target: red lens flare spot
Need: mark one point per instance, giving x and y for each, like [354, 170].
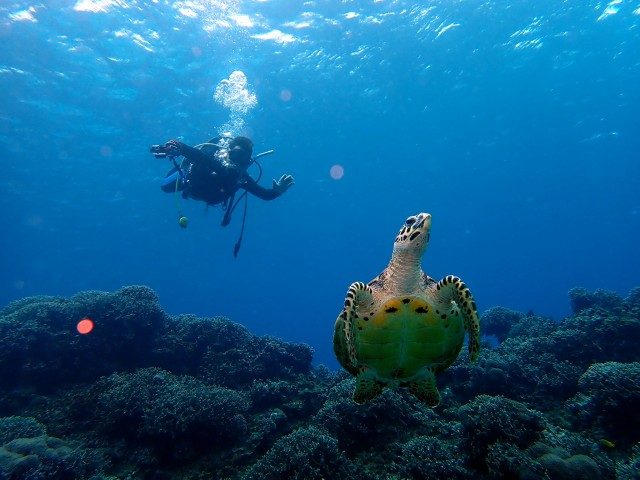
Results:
[285, 95]
[337, 172]
[85, 326]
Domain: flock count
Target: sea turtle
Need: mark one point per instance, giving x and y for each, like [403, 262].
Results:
[403, 327]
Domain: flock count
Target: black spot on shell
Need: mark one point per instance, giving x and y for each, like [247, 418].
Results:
[366, 319]
[422, 310]
[414, 235]
[405, 300]
[391, 309]
[443, 316]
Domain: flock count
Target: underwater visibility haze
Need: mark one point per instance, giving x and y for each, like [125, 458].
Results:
[514, 124]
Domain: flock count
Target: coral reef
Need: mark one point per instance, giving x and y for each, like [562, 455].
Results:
[582, 299]
[178, 416]
[607, 401]
[27, 452]
[540, 361]
[488, 421]
[14, 427]
[432, 457]
[306, 454]
[629, 468]
[152, 396]
[498, 321]
[43, 350]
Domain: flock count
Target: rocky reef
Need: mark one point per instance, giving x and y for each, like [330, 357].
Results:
[147, 395]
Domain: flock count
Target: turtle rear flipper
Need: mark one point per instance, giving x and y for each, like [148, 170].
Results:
[367, 387]
[426, 390]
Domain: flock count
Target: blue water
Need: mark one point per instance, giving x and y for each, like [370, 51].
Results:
[514, 124]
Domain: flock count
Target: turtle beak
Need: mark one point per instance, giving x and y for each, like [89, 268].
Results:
[422, 219]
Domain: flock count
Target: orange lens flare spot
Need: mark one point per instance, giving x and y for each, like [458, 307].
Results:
[85, 326]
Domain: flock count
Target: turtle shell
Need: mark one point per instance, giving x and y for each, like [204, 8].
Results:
[402, 338]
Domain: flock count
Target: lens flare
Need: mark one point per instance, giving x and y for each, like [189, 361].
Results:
[285, 95]
[337, 172]
[85, 326]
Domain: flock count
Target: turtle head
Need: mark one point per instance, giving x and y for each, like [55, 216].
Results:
[413, 236]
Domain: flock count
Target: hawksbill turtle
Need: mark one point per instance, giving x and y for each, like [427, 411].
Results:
[403, 327]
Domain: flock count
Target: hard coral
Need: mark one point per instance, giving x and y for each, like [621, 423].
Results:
[306, 454]
[45, 457]
[19, 427]
[576, 467]
[498, 321]
[582, 299]
[633, 299]
[42, 349]
[490, 420]
[630, 469]
[186, 340]
[260, 359]
[175, 416]
[540, 361]
[388, 418]
[432, 457]
[608, 394]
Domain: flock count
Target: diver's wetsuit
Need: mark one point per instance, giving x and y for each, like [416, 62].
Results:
[207, 179]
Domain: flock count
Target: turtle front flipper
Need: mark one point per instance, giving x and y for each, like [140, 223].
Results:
[358, 293]
[453, 288]
[426, 389]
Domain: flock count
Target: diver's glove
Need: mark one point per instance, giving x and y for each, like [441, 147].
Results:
[283, 184]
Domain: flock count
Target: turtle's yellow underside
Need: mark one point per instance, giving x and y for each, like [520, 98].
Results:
[407, 335]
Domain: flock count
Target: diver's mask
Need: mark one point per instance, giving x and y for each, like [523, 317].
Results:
[239, 155]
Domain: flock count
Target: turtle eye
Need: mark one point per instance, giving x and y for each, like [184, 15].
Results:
[410, 221]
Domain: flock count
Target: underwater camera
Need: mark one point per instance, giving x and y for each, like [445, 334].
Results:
[162, 151]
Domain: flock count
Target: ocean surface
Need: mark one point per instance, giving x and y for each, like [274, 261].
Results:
[515, 124]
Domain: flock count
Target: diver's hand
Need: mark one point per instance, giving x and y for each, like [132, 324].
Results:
[283, 184]
[173, 147]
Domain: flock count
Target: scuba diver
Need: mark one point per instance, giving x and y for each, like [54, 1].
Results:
[213, 172]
